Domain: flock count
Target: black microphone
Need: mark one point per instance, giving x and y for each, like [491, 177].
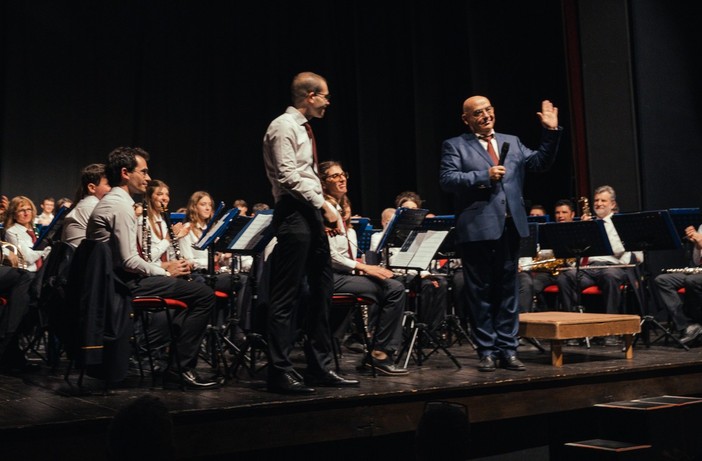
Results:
[503, 153]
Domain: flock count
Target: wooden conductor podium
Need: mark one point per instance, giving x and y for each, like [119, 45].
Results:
[560, 326]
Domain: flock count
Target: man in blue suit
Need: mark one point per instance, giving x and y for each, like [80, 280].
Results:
[490, 219]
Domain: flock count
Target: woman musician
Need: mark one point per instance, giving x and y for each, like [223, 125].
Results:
[154, 237]
[19, 231]
[198, 213]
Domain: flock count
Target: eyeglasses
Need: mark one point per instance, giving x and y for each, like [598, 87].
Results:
[337, 176]
[144, 172]
[327, 97]
[479, 112]
[24, 210]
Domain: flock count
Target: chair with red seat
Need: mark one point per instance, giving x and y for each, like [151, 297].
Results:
[358, 308]
[142, 305]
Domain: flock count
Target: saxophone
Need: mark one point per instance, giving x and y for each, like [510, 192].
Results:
[552, 265]
[584, 207]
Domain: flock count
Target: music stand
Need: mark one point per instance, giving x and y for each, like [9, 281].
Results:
[539, 219]
[251, 239]
[363, 234]
[447, 249]
[576, 239]
[215, 229]
[48, 234]
[418, 246]
[682, 219]
[646, 231]
[529, 248]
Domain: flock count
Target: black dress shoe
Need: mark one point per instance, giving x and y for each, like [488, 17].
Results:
[487, 363]
[188, 379]
[329, 378]
[288, 383]
[513, 363]
[691, 333]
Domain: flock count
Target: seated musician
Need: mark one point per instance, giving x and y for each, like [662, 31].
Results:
[432, 288]
[608, 279]
[93, 187]
[153, 234]
[369, 281]
[197, 214]
[685, 316]
[113, 221]
[536, 274]
[14, 287]
[19, 231]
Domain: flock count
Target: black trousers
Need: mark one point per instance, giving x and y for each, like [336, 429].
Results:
[190, 324]
[388, 311]
[14, 285]
[301, 253]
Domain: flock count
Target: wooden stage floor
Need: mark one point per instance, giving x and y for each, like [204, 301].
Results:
[41, 415]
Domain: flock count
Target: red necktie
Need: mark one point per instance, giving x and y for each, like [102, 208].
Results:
[34, 240]
[490, 149]
[314, 144]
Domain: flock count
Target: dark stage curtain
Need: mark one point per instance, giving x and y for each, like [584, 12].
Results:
[196, 84]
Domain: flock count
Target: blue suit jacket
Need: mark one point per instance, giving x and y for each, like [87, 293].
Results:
[481, 205]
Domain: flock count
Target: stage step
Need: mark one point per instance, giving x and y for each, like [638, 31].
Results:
[601, 449]
[667, 423]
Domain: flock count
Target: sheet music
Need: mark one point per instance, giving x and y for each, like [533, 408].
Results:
[252, 234]
[421, 251]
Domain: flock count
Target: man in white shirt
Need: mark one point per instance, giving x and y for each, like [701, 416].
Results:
[302, 249]
[94, 186]
[113, 221]
[608, 279]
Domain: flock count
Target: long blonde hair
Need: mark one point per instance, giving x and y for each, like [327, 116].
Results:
[15, 204]
[191, 214]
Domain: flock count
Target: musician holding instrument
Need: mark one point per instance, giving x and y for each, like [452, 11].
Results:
[536, 274]
[154, 235]
[113, 222]
[684, 315]
[367, 280]
[595, 270]
[19, 231]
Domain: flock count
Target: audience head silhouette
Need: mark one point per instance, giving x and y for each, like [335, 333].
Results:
[142, 429]
[443, 432]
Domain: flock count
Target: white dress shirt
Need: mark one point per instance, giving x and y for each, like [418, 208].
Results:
[18, 236]
[289, 159]
[76, 221]
[113, 221]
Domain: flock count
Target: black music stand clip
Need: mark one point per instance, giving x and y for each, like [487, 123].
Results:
[646, 231]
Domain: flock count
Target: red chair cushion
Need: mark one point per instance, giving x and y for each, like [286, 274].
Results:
[156, 302]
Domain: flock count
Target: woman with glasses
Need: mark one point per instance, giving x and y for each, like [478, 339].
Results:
[368, 281]
[19, 231]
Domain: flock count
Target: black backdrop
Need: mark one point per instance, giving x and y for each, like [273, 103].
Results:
[196, 84]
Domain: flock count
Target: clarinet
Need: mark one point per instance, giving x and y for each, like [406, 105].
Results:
[683, 270]
[145, 234]
[171, 234]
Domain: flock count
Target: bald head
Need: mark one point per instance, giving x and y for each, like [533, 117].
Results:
[478, 114]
